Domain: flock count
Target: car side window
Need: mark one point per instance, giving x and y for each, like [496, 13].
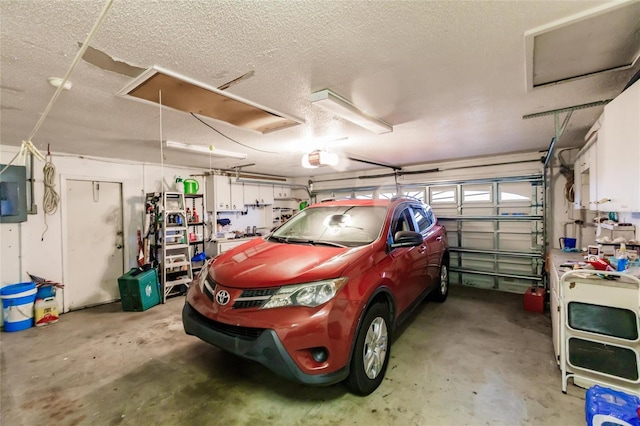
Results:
[423, 217]
[402, 222]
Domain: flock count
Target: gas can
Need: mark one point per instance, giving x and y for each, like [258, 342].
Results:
[46, 311]
[534, 299]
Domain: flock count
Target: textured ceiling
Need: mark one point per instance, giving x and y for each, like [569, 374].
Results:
[449, 76]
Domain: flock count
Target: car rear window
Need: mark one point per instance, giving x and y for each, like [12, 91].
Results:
[346, 225]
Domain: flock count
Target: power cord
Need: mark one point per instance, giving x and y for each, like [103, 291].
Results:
[51, 198]
[231, 139]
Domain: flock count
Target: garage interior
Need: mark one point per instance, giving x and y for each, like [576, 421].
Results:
[517, 122]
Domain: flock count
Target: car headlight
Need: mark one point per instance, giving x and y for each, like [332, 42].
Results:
[308, 294]
[202, 275]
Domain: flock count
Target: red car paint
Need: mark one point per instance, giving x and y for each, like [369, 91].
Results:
[405, 274]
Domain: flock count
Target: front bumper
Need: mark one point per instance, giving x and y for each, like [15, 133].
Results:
[261, 345]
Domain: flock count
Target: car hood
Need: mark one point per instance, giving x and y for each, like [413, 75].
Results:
[260, 264]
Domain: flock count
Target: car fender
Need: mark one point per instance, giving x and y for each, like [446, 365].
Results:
[380, 290]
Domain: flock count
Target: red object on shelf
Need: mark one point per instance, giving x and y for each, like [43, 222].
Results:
[534, 299]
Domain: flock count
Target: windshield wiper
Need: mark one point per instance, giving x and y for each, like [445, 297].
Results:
[280, 239]
[326, 243]
[289, 240]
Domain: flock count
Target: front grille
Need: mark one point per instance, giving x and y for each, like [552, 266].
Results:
[253, 298]
[244, 333]
[258, 292]
[242, 304]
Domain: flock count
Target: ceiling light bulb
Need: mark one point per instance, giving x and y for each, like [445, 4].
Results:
[319, 158]
[306, 164]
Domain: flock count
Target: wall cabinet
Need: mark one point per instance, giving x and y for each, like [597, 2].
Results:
[280, 191]
[237, 196]
[223, 194]
[607, 169]
[258, 194]
[585, 173]
[619, 155]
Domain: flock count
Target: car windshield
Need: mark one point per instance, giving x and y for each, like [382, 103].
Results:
[341, 226]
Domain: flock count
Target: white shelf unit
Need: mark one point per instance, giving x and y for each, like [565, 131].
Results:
[599, 330]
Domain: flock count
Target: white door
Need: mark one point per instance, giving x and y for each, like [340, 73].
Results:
[94, 242]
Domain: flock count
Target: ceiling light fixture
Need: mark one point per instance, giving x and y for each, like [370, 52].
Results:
[318, 158]
[211, 150]
[341, 107]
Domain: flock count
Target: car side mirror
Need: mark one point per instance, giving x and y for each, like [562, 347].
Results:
[406, 239]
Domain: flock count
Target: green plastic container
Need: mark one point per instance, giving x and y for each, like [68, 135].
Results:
[139, 290]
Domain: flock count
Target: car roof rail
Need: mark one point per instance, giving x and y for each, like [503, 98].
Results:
[409, 197]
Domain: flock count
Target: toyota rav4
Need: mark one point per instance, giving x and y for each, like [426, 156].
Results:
[317, 300]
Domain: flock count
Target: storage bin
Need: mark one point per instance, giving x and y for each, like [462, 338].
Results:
[139, 290]
[604, 406]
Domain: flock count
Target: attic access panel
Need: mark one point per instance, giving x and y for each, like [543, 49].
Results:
[606, 38]
[187, 95]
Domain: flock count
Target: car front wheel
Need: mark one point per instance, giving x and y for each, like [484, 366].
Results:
[371, 353]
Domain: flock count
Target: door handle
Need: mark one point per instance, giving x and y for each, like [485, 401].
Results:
[439, 238]
[422, 249]
[118, 246]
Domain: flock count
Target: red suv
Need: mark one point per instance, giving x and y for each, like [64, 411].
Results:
[317, 300]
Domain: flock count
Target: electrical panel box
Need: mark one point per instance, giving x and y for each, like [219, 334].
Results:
[13, 194]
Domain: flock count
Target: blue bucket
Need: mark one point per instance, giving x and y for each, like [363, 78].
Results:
[17, 304]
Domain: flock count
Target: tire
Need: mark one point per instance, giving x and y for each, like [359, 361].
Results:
[371, 352]
[441, 291]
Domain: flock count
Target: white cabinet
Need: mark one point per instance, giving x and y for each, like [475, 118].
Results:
[585, 174]
[223, 194]
[281, 191]
[266, 194]
[258, 194]
[251, 194]
[236, 201]
[618, 153]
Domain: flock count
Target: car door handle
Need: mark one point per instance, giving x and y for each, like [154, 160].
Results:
[422, 249]
[439, 238]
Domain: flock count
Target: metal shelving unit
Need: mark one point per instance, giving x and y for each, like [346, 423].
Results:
[195, 229]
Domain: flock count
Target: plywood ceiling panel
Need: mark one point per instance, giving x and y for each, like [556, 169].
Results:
[192, 98]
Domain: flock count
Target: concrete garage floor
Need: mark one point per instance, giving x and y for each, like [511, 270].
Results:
[477, 359]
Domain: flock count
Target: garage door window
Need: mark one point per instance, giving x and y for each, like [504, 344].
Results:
[442, 195]
[476, 193]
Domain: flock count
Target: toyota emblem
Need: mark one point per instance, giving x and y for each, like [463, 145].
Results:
[222, 297]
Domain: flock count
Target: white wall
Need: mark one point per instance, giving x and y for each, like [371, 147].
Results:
[25, 248]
